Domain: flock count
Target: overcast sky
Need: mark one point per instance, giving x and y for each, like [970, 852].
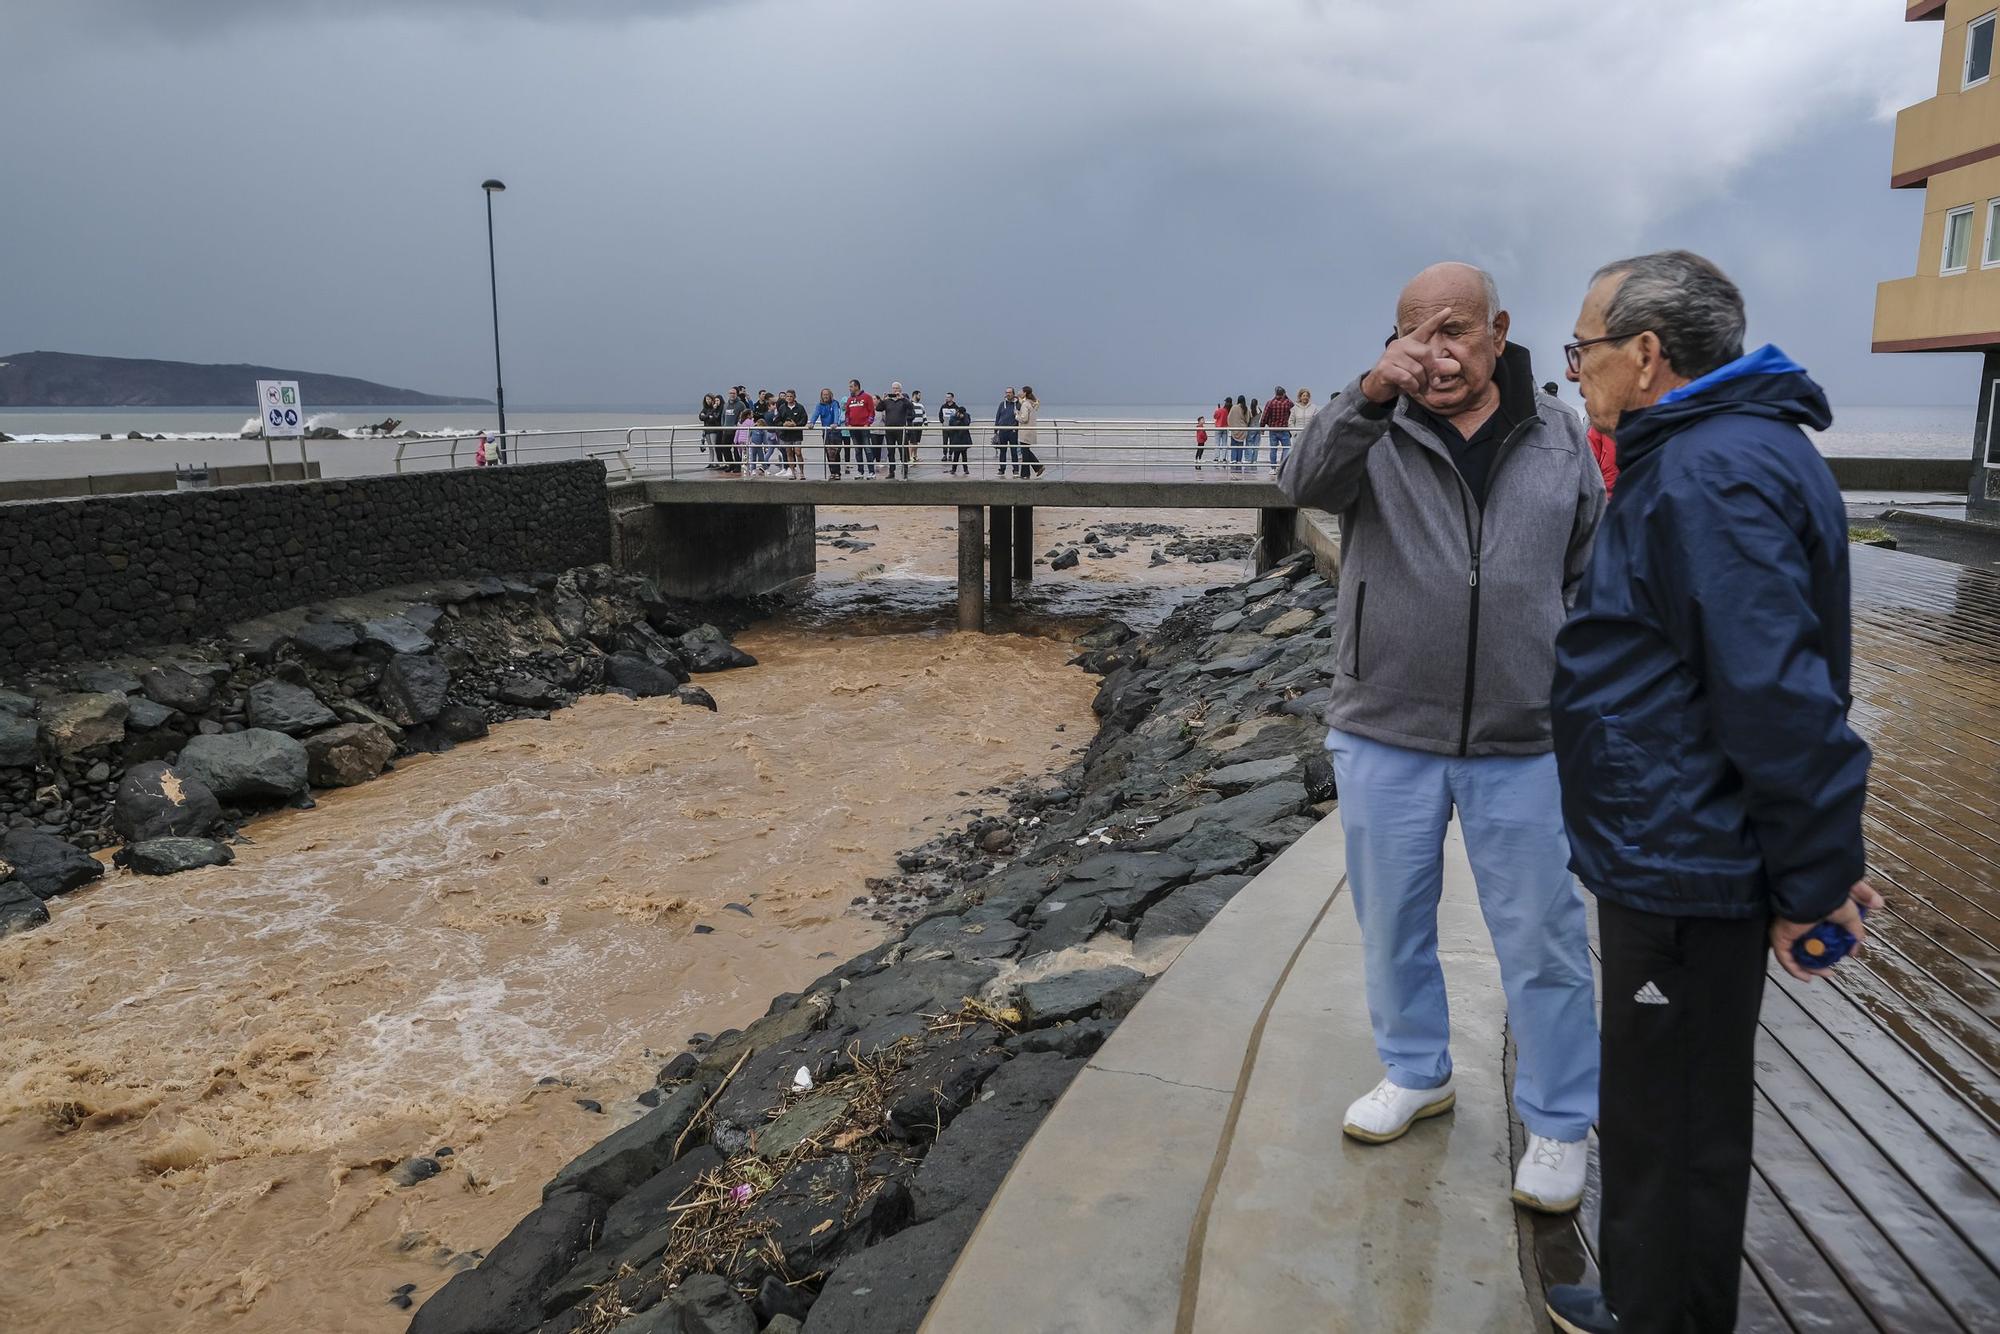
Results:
[1121, 201]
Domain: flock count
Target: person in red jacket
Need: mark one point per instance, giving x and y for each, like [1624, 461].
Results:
[860, 410]
[1605, 449]
[1278, 417]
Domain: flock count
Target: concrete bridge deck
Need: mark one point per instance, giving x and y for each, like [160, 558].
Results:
[1194, 1177]
[1187, 492]
[703, 534]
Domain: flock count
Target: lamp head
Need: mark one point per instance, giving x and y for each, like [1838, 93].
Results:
[491, 186]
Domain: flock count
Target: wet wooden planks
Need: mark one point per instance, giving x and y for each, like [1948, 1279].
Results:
[1875, 1199]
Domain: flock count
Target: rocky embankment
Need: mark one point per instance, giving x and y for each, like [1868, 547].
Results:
[167, 753]
[822, 1168]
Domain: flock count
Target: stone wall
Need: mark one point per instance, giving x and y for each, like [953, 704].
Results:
[101, 575]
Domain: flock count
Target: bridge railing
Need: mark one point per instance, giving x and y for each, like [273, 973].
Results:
[438, 453]
[1076, 449]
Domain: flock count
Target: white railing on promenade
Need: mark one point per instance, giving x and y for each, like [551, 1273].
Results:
[1062, 448]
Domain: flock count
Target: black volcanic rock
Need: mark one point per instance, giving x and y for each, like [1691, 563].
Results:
[170, 856]
[45, 865]
[157, 801]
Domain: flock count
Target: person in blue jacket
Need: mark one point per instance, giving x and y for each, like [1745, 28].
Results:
[1712, 787]
[826, 415]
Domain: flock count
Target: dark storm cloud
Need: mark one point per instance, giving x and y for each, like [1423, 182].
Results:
[1120, 201]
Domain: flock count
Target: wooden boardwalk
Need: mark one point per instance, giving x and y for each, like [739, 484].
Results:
[1875, 1200]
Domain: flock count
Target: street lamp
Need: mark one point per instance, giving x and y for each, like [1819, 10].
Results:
[492, 188]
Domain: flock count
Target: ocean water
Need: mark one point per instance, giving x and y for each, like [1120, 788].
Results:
[66, 442]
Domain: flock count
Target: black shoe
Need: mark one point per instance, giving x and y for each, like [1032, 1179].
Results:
[1580, 1310]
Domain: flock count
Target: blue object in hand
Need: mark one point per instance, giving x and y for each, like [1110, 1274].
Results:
[1824, 946]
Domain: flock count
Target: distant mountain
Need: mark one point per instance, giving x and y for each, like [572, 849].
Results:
[69, 380]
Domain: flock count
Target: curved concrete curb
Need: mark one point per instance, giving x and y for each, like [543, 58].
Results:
[1194, 1177]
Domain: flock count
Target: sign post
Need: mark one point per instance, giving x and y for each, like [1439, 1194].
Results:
[281, 415]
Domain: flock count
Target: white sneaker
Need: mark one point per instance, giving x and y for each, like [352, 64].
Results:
[1386, 1111]
[1551, 1175]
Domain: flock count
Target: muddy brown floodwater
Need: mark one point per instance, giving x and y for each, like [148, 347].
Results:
[202, 1078]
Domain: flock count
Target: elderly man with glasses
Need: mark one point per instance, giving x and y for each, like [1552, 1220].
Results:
[1711, 783]
[1467, 501]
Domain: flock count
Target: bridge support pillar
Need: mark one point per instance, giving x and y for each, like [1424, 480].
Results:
[1024, 541]
[1277, 536]
[971, 567]
[1000, 558]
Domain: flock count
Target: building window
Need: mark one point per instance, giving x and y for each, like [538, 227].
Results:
[1957, 240]
[1992, 259]
[1979, 50]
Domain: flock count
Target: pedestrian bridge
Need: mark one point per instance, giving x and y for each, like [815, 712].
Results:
[709, 520]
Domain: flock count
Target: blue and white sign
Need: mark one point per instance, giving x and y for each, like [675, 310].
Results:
[278, 402]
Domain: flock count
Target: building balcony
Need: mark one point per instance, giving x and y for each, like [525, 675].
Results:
[1945, 132]
[1957, 313]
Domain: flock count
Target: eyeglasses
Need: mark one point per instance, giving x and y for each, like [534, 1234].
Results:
[1573, 352]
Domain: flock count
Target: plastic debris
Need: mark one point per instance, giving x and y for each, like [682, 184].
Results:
[802, 1082]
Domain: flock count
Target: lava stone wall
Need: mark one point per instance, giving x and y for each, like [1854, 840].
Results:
[100, 575]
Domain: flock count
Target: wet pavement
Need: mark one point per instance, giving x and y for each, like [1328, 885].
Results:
[1875, 1195]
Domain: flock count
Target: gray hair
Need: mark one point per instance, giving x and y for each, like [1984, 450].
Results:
[1685, 301]
[1492, 290]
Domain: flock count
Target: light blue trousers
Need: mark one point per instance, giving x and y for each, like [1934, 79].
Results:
[1394, 805]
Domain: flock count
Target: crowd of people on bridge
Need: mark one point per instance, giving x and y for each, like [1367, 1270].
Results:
[863, 435]
[1242, 423]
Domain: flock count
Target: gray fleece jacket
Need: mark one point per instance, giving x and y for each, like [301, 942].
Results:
[1448, 611]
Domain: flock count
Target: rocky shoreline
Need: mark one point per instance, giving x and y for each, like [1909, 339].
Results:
[822, 1168]
[168, 752]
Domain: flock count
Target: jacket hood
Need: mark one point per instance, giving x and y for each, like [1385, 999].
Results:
[1516, 375]
[1764, 383]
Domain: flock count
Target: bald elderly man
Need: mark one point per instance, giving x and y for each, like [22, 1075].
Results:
[1467, 502]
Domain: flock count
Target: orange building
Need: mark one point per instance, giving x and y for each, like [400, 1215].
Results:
[1949, 146]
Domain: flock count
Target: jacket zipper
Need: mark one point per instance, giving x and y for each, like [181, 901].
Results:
[1360, 603]
[1475, 529]
[1475, 532]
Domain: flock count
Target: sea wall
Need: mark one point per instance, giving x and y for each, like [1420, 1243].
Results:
[1892, 474]
[166, 479]
[104, 574]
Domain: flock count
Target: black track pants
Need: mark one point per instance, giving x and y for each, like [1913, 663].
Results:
[1679, 1031]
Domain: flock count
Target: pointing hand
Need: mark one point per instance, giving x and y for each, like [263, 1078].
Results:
[1409, 363]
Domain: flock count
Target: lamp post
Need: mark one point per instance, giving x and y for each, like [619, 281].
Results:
[492, 188]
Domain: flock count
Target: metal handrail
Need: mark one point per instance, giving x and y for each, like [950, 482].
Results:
[1063, 446]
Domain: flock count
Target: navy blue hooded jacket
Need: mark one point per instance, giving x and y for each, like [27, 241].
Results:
[1701, 692]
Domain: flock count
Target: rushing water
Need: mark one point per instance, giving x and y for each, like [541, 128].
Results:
[202, 1078]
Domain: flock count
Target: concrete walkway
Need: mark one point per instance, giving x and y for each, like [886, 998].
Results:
[1194, 1177]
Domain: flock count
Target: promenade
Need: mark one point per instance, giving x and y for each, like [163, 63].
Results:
[1194, 1177]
